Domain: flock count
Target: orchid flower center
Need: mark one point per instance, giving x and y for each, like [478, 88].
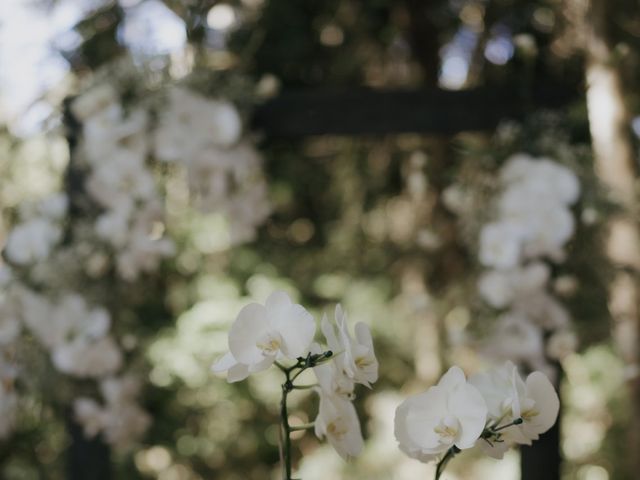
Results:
[363, 362]
[529, 410]
[269, 343]
[447, 429]
[337, 428]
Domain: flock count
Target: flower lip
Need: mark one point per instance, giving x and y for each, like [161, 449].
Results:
[269, 343]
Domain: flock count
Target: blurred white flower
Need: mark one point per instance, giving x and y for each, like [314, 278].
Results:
[109, 135]
[88, 358]
[517, 168]
[536, 199]
[451, 413]
[90, 415]
[500, 288]
[32, 241]
[354, 356]
[54, 207]
[561, 344]
[120, 419]
[142, 254]
[191, 123]
[262, 333]
[75, 334]
[338, 421]
[113, 225]
[500, 245]
[541, 178]
[118, 178]
[230, 181]
[93, 101]
[515, 338]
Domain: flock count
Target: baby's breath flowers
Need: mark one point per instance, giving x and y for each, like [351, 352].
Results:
[281, 333]
[494, 410]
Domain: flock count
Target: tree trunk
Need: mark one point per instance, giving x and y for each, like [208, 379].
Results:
[616, 168]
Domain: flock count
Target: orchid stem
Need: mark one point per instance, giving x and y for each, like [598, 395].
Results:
[298, 428]
[517, 421]
[442, 464]
[286, 428]
[302, 364]
[304, 387]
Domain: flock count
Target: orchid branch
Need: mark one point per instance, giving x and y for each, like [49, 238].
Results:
[302, 364]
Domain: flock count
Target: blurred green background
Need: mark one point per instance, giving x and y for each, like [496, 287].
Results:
[359, 221]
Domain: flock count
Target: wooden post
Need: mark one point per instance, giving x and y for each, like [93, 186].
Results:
[87, 459]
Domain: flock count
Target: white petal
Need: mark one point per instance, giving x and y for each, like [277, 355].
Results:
[278, 300]
[424, 412]
[247, 330]
[297, 328]
[338, 421]
[263, 365]
[237, 373]
[468, 406]
[363, 335]
[540, 389]
[330, 334]
[451, 379]
[495, 449]
[224, 363]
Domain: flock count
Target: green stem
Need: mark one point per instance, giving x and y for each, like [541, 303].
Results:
[286, 428]
[287, 387]
[517, 421]
[304, 387]
[305, 426]
[442, 464]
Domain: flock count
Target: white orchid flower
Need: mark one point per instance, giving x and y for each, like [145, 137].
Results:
[509, 398]
[355, 356]
[338, 421]
[331, 377]
[263, 333]
[451, 413]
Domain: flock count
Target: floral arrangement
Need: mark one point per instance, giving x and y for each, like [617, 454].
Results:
[281, 333]
[533, 224]
[521, 242]
[77, 261]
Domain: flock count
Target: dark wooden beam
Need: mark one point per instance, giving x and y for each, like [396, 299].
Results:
[376, 112]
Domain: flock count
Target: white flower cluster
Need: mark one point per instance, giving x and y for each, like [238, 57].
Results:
[224, 171]
[492, 410]
[76, 335]
[78, 340]
[120, 420]
[32, 240]
[115, 146]
[534, 216]
[28, 245]
[281, 331]
[534, 223]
